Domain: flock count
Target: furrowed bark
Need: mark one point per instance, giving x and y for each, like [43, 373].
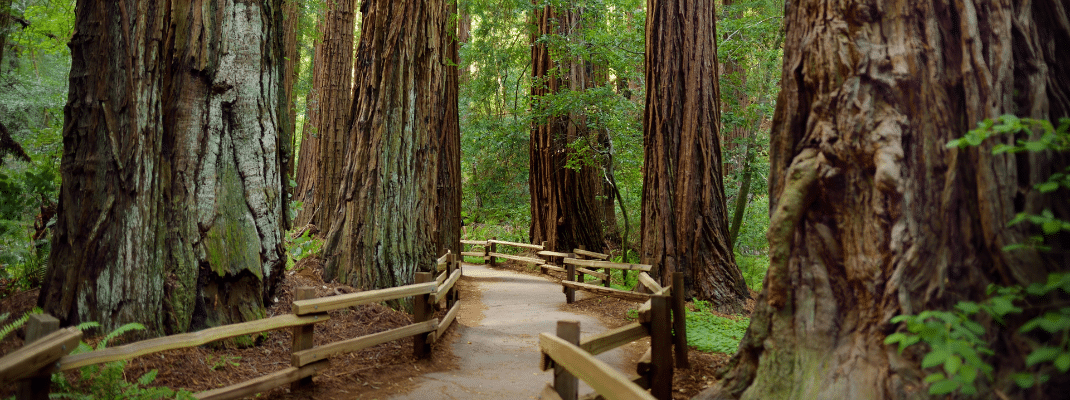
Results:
[684, 222]
[386, 230]
[874, 217]
[171, 205]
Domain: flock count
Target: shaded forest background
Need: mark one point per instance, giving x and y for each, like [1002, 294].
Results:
[496, 113]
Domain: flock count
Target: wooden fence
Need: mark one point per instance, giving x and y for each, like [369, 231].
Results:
[573, 359]
[35, 361]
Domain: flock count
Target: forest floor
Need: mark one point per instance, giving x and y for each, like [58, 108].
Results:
[385, 371]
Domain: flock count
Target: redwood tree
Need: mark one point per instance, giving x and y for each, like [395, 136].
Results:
[401, 184]
[873, 216]
[171, 207]
[565, 211]
[684, 223]
[323, 148]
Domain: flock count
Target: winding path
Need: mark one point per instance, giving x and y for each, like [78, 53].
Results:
[497, 349]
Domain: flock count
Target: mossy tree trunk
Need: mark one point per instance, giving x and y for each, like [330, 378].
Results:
[873, 217]
[171, 207]
[323, 148]
[565, 212]
[395, 215]
[684, 221]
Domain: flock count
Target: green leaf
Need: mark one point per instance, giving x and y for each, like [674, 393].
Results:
[1051, 227]
[1043, 354]
[1024, 380]
[943, 387]
[968, 373]
[934, 358]
[1062, 362]
[935, 377]
[952, 364]
[1048, 187]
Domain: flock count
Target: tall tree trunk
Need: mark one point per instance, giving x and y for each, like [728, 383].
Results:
[872, 216]
[171, 207]
[291, 23]
[464, 34]
[323, 150]
[565, 212]
[404, 113]
[684, 222]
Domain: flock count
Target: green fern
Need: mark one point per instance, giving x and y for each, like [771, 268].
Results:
[18, 323]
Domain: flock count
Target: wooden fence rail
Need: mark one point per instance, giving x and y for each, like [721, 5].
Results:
[572, 358]
[50, 353]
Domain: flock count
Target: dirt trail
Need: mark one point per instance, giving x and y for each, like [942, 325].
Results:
[497, 343]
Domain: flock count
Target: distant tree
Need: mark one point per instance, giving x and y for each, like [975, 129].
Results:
[323, 148]
[565, 211]
[684, 221]
[171, 208]
[401, 183]
[291, 69]
[873, 216]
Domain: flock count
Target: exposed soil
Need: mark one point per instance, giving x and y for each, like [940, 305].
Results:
[377, 372]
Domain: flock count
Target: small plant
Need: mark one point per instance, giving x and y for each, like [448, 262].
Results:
[222, 361]
[108, 381]
[301, 247]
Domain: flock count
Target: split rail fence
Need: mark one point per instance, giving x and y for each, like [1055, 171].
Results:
[48, 348]
[661, 318]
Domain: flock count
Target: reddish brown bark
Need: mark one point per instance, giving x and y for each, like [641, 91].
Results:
[565, 212]
[395, 215]
[684, 223]
[323, 148]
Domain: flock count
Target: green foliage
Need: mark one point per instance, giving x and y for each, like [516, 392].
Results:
[753, 269]
[712, 333]
[108, 381]
[956, 342]
[17, 323]
[956, 345]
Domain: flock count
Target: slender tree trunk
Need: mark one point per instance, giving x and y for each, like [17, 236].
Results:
[872, 216]
[171, 207]
[403, 115]
[742, 198]
[565, 212]
[323, 149]
[291, 65]
[684, 223]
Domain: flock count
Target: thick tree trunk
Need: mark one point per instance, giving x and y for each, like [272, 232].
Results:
[323, 150]
[565, 212]
[872, 216]
[684, 222]
[404, 113]
[171, 207]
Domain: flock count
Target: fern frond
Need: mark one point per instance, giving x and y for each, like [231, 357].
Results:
[133, 326]
[18, 323]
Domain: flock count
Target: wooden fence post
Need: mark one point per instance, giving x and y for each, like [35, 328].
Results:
[491, 247]
[39, 326]
[421, 311]
[579, 277]
[660, 347]
[566, 384]
[452, 264]
[679, 320]
[570, 293]
[302, 337]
